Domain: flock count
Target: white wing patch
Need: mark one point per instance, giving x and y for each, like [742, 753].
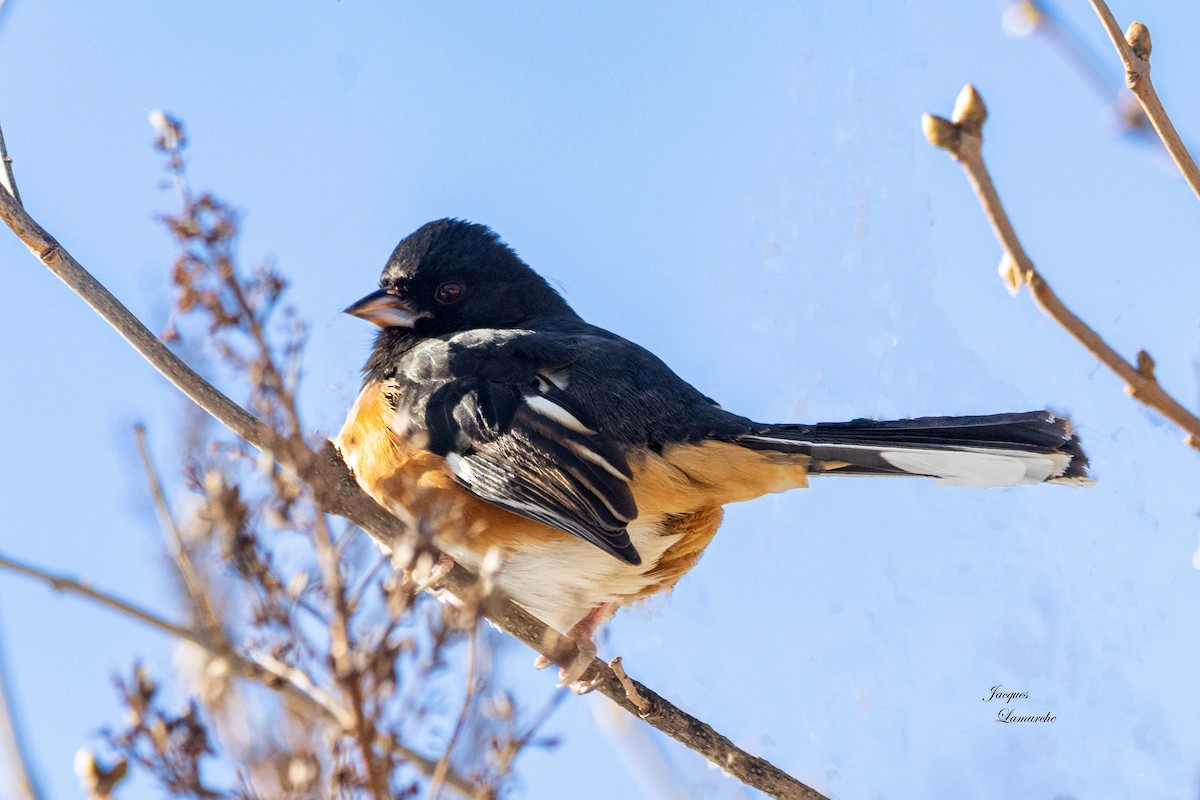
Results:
[559, 378]
[551, 410]
[603, 463]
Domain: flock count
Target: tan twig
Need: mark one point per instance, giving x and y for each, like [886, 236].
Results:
[645, 707]
[443, 767]
[1030, 15]
[1134, 49]
[197, 592]
[261, 668]
[22, 783]
[341, 648]
[962, 138]
[6, 176]
[336, 492]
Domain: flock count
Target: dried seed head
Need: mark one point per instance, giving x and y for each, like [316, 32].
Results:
[168, 129]
[97, 781]
[1022, 18]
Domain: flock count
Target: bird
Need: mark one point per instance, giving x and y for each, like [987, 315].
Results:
[586, 474]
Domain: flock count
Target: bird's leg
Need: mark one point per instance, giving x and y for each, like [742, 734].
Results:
[426, 574]
[585, 649]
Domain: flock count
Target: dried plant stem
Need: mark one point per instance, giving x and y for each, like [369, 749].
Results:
[202, 602]
[963, 140]
[336, 492]
[261, 668]
[21, 782]
[1134, 49]
[443, 767]
[348, 676]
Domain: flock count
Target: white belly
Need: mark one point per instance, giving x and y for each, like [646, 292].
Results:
[560, 582]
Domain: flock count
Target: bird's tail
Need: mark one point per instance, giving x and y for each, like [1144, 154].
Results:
[994, 450]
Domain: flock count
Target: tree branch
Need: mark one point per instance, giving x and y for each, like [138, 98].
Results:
[962, 138]
[1023, 17]
[1134, 49]
[6, 177]
[261, 668]
[23, 784]
[336, 492]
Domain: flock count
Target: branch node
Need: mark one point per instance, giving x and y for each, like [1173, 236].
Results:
[644, 705]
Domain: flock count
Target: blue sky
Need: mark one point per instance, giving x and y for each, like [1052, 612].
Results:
[744, 189]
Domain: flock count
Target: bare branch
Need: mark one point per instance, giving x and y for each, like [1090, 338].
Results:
[197, 592]
[443, 767]
[962, 138]
[6, 176]
[261, 667]
[336, 492]
[1134, 49]
[22, 784]
[1023, 17]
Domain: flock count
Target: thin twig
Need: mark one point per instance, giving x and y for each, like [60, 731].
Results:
[22, 784]
[341, 648]
[443, 767]
[261, 668]
[356, 596]
[1134, 49]
[336, 492]
[962, 138]
[1040, 18]
[6, 176]
[644, 706]
[197, 591]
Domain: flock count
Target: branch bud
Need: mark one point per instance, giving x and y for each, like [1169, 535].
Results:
[1145, 365]
[1138, 37]
[940, 132]
[969, 111]
[1010, 273]
[1022, 18]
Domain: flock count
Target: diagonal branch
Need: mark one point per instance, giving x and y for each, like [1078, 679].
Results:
[336, 492]
[23, 783]
[198, 595]
[7, 178]
[261, 668]
[962, 138]
[1134, 49]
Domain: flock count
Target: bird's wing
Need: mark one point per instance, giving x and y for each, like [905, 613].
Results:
[493, 404]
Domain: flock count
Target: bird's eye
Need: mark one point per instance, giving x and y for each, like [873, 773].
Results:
[448, 293]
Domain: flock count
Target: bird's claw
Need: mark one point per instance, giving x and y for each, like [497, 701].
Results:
[571, 675]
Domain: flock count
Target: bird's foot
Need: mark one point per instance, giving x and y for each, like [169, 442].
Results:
[571, 673]
[426, 574]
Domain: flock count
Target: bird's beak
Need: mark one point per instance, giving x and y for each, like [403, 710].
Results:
[386, 309]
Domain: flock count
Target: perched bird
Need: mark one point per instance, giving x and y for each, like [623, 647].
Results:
[595, 474]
